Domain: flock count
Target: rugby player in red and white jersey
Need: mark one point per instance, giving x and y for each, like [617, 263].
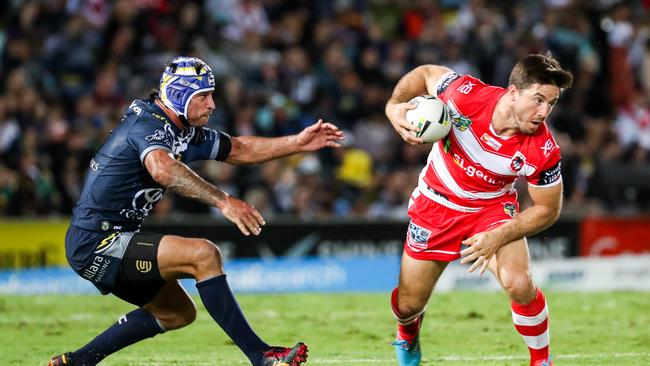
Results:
[466, 193]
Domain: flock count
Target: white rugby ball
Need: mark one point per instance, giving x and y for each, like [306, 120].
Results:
[431, 116]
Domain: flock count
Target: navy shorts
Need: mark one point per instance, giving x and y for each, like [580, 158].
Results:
[122, 263]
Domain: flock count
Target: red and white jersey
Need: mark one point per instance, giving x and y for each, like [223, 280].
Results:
[474, 167]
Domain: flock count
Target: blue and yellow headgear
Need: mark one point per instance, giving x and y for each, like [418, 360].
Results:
[183, 78]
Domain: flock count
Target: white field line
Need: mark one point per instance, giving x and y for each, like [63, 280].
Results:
[452, 358]
[455, 358]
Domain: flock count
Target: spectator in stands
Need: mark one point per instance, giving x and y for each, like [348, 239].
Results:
[286, 61]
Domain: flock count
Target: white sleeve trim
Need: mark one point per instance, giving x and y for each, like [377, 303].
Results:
[215, 146]
[150, 149]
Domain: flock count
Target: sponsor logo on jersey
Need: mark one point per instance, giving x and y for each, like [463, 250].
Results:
[444, 83]
[96, 269]
[466, 88]
[143, 202]
[491, 141]
[107, 242]
[158, 135]
[510, 209]
[474, 172]
[548, 147]
[143, 266]
[93, 164]
[551, 175]
[135, 108]
[418, 236]
[517, 163]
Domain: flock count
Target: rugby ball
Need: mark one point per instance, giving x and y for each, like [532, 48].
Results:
[431, 116]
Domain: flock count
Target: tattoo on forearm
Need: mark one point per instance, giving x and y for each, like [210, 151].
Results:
[189, 184]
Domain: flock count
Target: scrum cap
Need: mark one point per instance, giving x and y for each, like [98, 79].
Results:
[183, 78]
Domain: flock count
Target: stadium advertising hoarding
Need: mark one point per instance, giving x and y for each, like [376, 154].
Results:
[605, 236]
[32, 243]
[244, 275]
[363, 274]
[41, 243]
[345, 238]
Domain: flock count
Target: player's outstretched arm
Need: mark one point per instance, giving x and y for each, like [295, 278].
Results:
[254, 149]
[419, 81]
[178, 177]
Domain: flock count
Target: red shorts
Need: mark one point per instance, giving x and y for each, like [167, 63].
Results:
[436, 231]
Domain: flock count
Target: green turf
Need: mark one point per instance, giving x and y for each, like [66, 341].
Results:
[460, 329]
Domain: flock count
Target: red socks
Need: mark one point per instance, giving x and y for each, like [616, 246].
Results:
[531, 321]
[407, 328]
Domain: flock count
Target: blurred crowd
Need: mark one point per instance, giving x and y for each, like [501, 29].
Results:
[69, 68]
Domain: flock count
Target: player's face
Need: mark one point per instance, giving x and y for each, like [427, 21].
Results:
[533, 105]
[200, 108]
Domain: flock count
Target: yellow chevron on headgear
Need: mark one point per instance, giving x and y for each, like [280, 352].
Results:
[183, 78]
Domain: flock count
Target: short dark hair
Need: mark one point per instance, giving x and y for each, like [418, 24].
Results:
[540, 69]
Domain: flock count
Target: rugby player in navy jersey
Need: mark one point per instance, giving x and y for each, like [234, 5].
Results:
[144, 155]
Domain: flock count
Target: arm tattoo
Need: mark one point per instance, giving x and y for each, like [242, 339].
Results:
[187, 183]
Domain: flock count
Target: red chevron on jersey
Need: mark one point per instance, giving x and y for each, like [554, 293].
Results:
[474, 167]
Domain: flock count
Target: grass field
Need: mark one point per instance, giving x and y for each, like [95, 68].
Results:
[460, 329]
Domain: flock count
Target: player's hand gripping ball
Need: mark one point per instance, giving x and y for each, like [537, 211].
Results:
[431, 116]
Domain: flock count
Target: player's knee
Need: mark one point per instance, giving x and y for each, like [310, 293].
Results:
[207, 254]
[519, 286]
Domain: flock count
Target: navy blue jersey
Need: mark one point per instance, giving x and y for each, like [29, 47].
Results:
[118, 192]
